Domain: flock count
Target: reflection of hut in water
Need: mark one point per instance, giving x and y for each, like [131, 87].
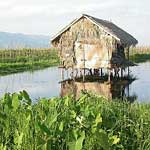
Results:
[110, 90]
[93, 44]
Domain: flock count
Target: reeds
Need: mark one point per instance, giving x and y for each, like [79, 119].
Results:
[140, 54]
[12, 61]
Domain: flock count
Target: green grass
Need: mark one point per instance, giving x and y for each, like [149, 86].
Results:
[140, 54]
[9, 68]
[89, 123]
[139, 58]
[13, 61]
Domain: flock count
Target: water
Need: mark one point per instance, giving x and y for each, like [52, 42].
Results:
[141, 86]
[45, 83]
[39, 84]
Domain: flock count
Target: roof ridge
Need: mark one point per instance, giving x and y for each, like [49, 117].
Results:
[97, 18]
[107, 26]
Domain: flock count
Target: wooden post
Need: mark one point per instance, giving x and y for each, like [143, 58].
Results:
[121, 72]
[84, 75]
[101, 72]
[84, 65]
[128, 60]
[128, 91]
[90, 70]
[109, 73]
[76, 73]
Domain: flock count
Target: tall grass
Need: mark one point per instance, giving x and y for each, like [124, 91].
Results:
[141, 50]
[90, 123]
[12, 61]
[140, 54]
[26, 55]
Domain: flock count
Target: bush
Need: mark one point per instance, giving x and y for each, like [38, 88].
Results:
[90, 123]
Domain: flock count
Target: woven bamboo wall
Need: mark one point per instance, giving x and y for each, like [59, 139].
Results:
[85, 41]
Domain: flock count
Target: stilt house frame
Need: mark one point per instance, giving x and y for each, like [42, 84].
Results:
[92, 43]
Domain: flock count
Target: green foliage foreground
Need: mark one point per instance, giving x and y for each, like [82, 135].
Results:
[89, 123]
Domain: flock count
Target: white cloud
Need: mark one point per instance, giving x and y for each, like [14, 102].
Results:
[49, 16]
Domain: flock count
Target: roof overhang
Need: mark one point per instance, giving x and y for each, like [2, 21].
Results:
[76, 20]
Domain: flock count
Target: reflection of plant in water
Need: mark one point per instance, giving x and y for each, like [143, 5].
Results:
[90, 122]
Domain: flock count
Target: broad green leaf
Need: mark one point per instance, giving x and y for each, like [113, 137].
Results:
[44, 128]
[53, 118]
[61, 126]
[73, 114]
[98, 119]
[8, 99]
[81, 100]
[79, 142]
[93, 129]
[15, 101]
[66, 101]
[26, 97]
[18, 139]
[2, 147]
[115, 139]
[72, 145]
[75, 133]
[27, 121]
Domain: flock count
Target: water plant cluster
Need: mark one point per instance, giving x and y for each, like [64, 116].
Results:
[12, 61]
[89, 123]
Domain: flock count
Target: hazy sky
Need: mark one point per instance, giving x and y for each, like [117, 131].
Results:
[49, 16]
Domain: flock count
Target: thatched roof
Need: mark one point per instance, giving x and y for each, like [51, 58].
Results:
[109, 27]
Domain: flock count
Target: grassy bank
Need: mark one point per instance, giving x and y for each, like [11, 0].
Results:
[89, 123]
[13, 61]
[140, 54]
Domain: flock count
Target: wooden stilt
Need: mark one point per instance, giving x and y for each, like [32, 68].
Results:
[80, 73]
[109, 74]
[76, 73]
[84, 75]
[121, 72]
[90, 70]
[101, 72]
[84, 65]
[128, 90]
[128, 60]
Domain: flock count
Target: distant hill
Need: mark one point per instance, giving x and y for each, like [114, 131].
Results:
[18, 40]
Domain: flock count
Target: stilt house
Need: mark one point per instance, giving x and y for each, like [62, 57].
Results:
[92, 43]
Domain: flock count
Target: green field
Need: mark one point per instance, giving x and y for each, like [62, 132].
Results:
[140, 54]
[13, 61]
[89, 123]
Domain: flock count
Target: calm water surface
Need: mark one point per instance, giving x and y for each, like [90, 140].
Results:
[45, 83]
